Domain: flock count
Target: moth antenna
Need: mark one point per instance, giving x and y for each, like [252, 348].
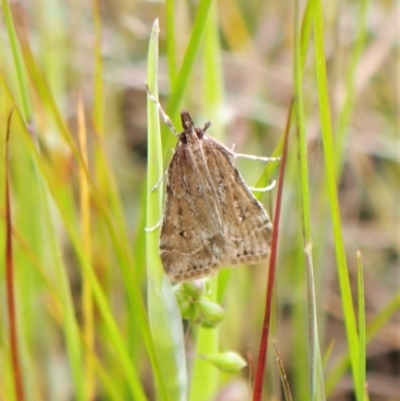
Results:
[264, 189]
[207, 125]
[164, 115]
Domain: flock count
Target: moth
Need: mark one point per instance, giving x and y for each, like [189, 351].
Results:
[211, 218]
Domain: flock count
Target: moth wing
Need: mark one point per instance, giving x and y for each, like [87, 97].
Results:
[191, 240]
[248, 228]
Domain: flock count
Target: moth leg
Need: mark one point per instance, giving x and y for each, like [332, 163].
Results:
[264, 189]
[160, 181]
[253, 157]
[164, 116]
[151, 229]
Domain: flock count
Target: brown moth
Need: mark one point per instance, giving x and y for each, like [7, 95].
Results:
[211, 218]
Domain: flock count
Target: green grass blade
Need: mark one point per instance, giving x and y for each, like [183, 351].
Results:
[18, 62]
[329, 156]
[361, 385]
[348, 104]
[302, 140]
[70, 324]
[64, 202]
[102, 304]
[305, 40]
[372, 329]
[306, 29]
[164, 315]
[48, 231]
[315, 362]
[314, 352]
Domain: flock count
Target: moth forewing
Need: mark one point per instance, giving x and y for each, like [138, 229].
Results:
[206, 179]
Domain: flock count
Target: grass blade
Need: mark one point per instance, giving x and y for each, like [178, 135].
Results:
[10, 278]
[329, 156]
[164, 315]
[263, 350]
[314, 352]
[361, 331]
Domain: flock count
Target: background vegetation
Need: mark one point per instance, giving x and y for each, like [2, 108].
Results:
[95, 317]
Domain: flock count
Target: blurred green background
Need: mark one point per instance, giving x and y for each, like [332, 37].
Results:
[78, 233]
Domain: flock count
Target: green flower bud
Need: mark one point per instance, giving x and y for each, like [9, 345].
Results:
[210, 312]
[228, 362]
[194, 288]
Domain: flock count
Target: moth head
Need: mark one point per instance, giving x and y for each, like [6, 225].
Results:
[189, 128]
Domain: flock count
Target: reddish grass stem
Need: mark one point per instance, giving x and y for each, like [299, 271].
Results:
[19, 389]
[262, 354]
